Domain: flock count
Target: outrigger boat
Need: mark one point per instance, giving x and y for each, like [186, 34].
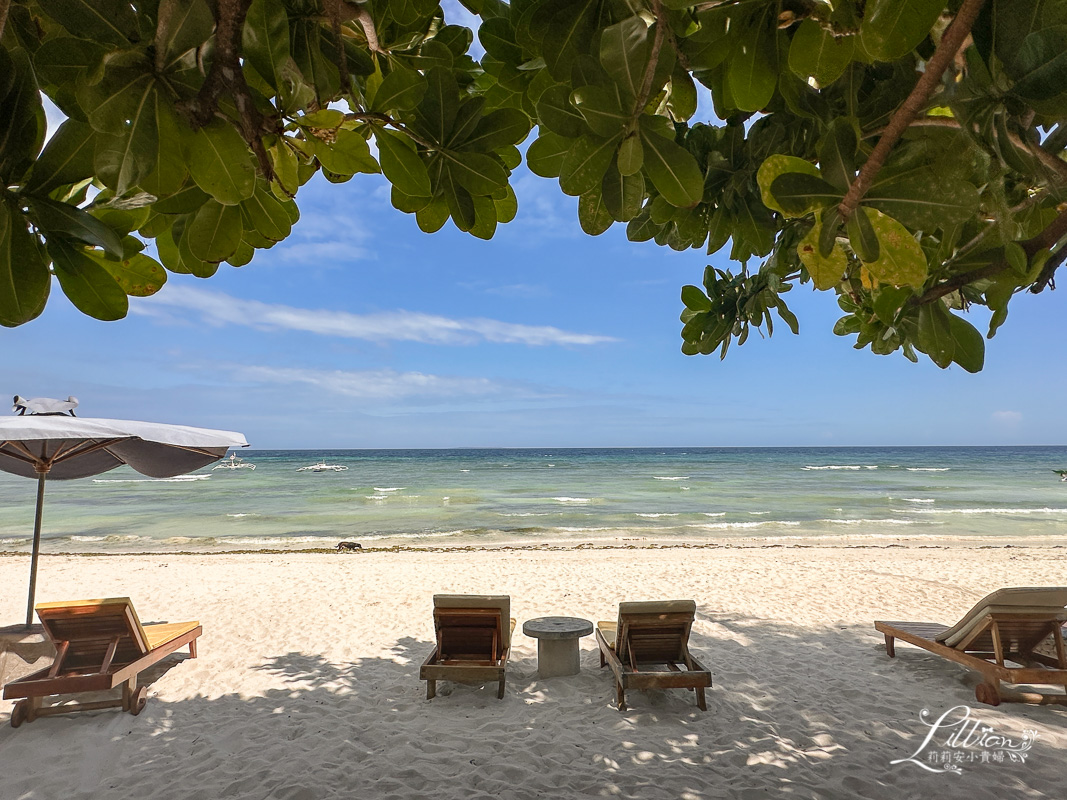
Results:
[233, 463]
[322, 466]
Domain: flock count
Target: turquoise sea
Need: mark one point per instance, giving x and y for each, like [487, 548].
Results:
[445, 498]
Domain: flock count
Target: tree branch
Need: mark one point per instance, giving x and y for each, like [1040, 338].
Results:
[946, 51]
[333, 11]
[385, 119]
[1049, 160]
[1044, 240]
[166, 11]
[5, 6]
[367, 22]
[653, 58]
[226, 77]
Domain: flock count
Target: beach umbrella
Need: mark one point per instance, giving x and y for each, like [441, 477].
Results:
[47, 442]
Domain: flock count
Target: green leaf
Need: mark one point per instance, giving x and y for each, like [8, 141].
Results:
[888, 301]
[683, 97]
[593, 215]
[817, 53]
[901, 261]
[672, 169]
[935, 333]
[892, 28]
[547, 153]
[555, 112]
[265, 40]
[65, 59]
[67, 158]
[439, 106]
[185, 201]
[89, 286]
[215, 232]
[624, 52]
[484, 218]
[138, 276]
[837, 154]
[192, 264]
[220, 163]
[478, 173]
[433, 216]
[267, 215]
[825, 271]
[777, 165]
[62, 219]
[585, 164]
[862, 237]
[401, 164]
[968, 346]
[191, 23]
[168, 172]
[1040, 65]
[600, 109]
[924, 201]
[752, 69]
[111, 22]
[286, 168]
[459, 200]
[24, 278]
[498, 129]
[798, 193]
[242, 255]
[694, 298]
[401, 90]
[631, 155]
[623, 194]
[506, 208]
[568, 33]
[22, 123]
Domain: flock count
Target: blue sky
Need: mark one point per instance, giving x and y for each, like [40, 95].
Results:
[361, 331]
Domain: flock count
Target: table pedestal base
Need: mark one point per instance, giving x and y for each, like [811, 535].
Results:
[557, 657]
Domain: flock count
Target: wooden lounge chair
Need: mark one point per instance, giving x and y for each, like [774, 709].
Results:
[100, 644]
[473, 641]
[1023, 626]
[648, 648]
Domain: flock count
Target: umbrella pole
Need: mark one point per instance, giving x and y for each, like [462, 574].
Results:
[36, 545]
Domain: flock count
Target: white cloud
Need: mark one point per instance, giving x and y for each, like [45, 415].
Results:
[216, 308]
[380, 384]
[1007, 417]
[323, 239]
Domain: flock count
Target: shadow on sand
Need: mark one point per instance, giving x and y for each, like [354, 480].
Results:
[804, 713]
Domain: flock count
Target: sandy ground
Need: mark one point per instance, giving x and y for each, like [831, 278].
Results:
[307, 682]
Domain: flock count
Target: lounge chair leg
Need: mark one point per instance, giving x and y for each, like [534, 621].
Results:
[603, 660]
[890, 648]
[702, 703]
[431, 690]
[20, 713]
[500, 690]
[988, 693]
[192, 649]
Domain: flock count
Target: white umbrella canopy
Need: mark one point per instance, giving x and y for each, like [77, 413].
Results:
[50, 443]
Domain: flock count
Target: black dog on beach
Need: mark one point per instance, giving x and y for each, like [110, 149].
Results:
[349, 547]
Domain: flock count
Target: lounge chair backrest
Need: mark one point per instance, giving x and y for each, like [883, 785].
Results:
[469, 624]
[1032, 601]
[90, 626]
[653, 631]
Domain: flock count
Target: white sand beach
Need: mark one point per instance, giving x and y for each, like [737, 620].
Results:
[306, 685]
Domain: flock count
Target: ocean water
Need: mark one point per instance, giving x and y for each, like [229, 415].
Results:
[447, 498]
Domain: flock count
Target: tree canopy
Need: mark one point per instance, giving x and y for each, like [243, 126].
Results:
[908, 155]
